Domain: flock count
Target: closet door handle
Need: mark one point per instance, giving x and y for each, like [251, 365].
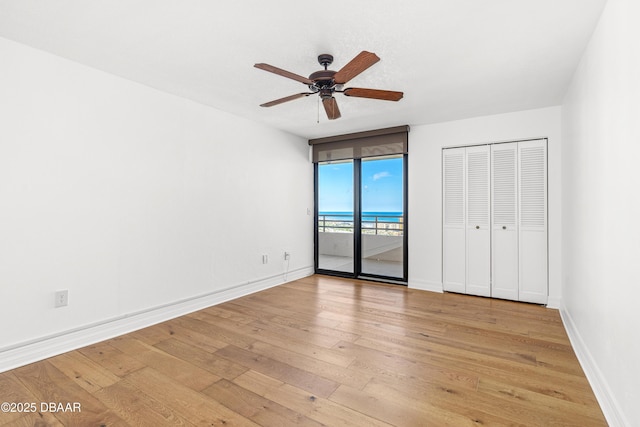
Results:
[504, 227]
[477, 227]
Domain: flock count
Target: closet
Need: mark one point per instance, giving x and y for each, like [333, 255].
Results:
[495, 220]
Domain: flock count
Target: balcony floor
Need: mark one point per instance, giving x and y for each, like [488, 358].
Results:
[369, 266]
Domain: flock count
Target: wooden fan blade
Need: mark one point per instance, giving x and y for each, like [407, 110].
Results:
[385, 95]
[331, 107]
[284, 73]
[361, 62]
[285, 99]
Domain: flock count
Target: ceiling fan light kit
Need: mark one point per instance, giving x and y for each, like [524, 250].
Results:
[327, 82]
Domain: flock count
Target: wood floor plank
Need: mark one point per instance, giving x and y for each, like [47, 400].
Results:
[124, 396]
[322, 351]
[195, 339]
[159, 332]
[180, 370]
[542, 409]
[533, 377]
[83, 371]
[49, 385]
[391, 411]
[13, 391]
[257, 382]
[307, 348]
[256, 327]
[111, 358]
[326, 370]
[277, 369]
[225, 312]
[452, 406]
[320, 409]
[479, 345]
[219, 366]
[378, 363]
[314, 327]
[268, 331]
[191, 330]
[195, 407]
[31, 419]
[225, 336]
[262, 411]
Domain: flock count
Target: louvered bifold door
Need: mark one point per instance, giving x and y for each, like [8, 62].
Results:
[532, 213]
[453, 214]
[504, 221]
[478, 230]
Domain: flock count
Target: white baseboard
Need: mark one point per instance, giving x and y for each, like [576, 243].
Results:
[607, 401]
[425, 285]
[554, 302]
[36, 350]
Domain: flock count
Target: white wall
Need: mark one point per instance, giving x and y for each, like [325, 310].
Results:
[132, 199]
[601, 211]
[425, 185]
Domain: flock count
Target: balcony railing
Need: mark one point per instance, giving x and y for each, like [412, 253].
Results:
[384, 224]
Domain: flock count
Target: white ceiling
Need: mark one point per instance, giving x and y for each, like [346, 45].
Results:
[453, 59]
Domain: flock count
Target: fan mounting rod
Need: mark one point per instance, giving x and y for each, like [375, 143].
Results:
[325, 60]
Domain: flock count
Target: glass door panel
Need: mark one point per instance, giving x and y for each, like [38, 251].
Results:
[335, 241]
[382, 217]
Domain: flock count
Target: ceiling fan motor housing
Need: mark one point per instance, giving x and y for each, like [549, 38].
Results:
[322, 76]
[323, 79]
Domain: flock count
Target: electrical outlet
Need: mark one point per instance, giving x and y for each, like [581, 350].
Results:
[287, 255]
[62, 298]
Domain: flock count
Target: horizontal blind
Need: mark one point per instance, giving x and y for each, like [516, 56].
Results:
[380, 142]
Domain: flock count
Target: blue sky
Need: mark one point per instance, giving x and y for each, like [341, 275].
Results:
[381, 186]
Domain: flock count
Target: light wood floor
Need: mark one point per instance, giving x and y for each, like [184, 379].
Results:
[323, 351]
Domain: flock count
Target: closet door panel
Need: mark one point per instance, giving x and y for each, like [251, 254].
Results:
[478, 232]
[454, 261]
[504, 224]
[533, 267]
[453, 213]
[532, 212]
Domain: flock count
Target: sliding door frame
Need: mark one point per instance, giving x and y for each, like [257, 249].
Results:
[357, 227]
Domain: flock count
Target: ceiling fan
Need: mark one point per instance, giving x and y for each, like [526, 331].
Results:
[327, 82]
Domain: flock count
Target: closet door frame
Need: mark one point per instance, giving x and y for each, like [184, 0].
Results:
[518, 253]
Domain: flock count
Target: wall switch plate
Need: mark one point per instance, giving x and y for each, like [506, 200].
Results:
[62, 298]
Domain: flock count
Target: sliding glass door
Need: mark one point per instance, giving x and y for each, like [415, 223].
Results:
[361, 218]
[382, 217]
[335, 242]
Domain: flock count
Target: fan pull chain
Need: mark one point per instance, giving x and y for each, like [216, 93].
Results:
[318, 119]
